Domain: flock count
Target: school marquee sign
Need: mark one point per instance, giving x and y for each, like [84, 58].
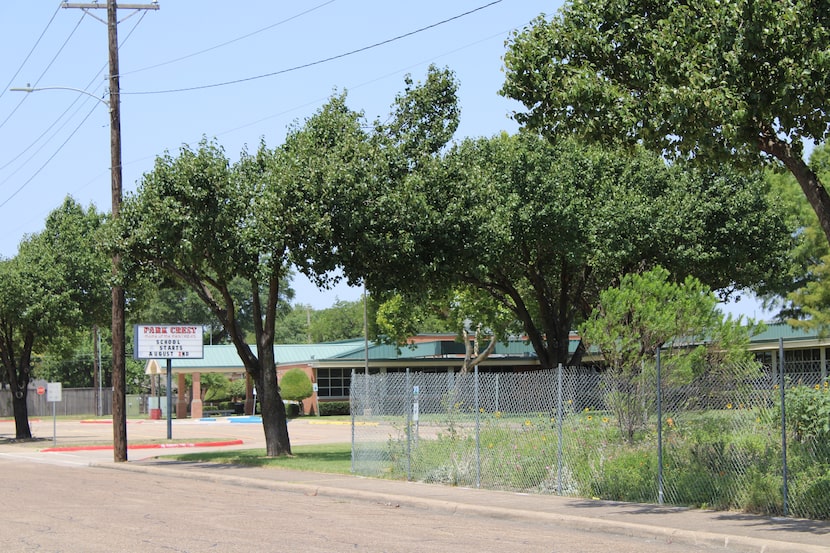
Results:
[168, 342]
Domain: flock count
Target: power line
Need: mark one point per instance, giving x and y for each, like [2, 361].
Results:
[43, 166]
[226, 43]
[45, 143]
[57, 151]
[363, 84]
[318, 62]
[55, 57]
[16, 73]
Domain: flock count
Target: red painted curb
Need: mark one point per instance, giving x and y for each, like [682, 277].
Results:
[143, 446]
[108, 421]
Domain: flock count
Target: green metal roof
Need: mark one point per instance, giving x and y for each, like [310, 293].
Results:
[224, 357]
[774, 332]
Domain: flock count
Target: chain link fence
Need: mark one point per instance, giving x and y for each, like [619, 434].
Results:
[713, 442]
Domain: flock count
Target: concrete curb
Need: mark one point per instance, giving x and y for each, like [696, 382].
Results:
[588, 524]
[142, 446]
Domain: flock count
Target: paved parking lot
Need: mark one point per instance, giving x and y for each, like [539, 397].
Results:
[58, 439]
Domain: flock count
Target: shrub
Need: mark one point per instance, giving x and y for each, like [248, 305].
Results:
[292, 410]
[629, 476]
[295, 385]
[811, 495]
[762, 494]
[808, 412]
[329, 408]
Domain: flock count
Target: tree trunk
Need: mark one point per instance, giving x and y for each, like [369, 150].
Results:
[22, 431]
[19, 386]
[274, 420]
[810, 184]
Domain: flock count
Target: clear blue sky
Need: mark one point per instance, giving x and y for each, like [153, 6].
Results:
[56, 143]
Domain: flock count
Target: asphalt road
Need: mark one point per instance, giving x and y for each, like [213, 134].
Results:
[61, 508]
[65, 499]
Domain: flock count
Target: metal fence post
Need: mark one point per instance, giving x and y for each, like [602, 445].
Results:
[559, 429]
[478, 427]
[659, 433]
[497, 393]
[410, 393]
[783, 423]
[352, 410]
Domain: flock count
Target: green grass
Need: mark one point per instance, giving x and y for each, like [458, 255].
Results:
[330, 458]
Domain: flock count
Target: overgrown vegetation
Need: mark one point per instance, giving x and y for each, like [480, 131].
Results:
[728, 457]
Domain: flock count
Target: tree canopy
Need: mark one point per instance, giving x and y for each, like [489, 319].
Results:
[539, 228]
[58, 281]
[711, 81]
[545, 228]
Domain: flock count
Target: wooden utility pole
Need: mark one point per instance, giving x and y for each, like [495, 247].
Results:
[96, 383]
[119, 351]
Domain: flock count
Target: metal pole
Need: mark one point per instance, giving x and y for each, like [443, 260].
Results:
[352, 409]
[783, 424]
[100, 376]
[559, 417]
[54, 426]
[659, 433]
[365, 346]
[409, 412]
[170, 399]
[478, 427]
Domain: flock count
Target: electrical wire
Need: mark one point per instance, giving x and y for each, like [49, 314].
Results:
[243, 37]
[365, 83]
[43, 166]
[318, 62]
[63, 144]
[55, 57]
[45, 143]
[16, 73]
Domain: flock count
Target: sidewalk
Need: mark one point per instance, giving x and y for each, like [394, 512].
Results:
[723, 531]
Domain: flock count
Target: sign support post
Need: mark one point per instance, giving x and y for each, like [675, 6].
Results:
[170, 398]
[53, 395]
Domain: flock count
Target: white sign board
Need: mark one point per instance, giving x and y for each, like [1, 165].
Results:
[168, 342]
[54, 391]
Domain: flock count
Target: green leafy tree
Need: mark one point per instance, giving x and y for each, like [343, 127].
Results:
[205, 222]
[296, 386]
[742, 81]
[214, 386]
[293, 325]
[547, 227]
[537, 227]
[351, 170]
[809, 296]
[58, 280]
[342, 321]
[459, 312]
[237, 388]
[647, 312]
[809, 246]
[399, 318]
[73, 369]
[165, 301]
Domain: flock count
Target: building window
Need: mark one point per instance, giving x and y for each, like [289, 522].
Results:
[333, 382]
[802, 361]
